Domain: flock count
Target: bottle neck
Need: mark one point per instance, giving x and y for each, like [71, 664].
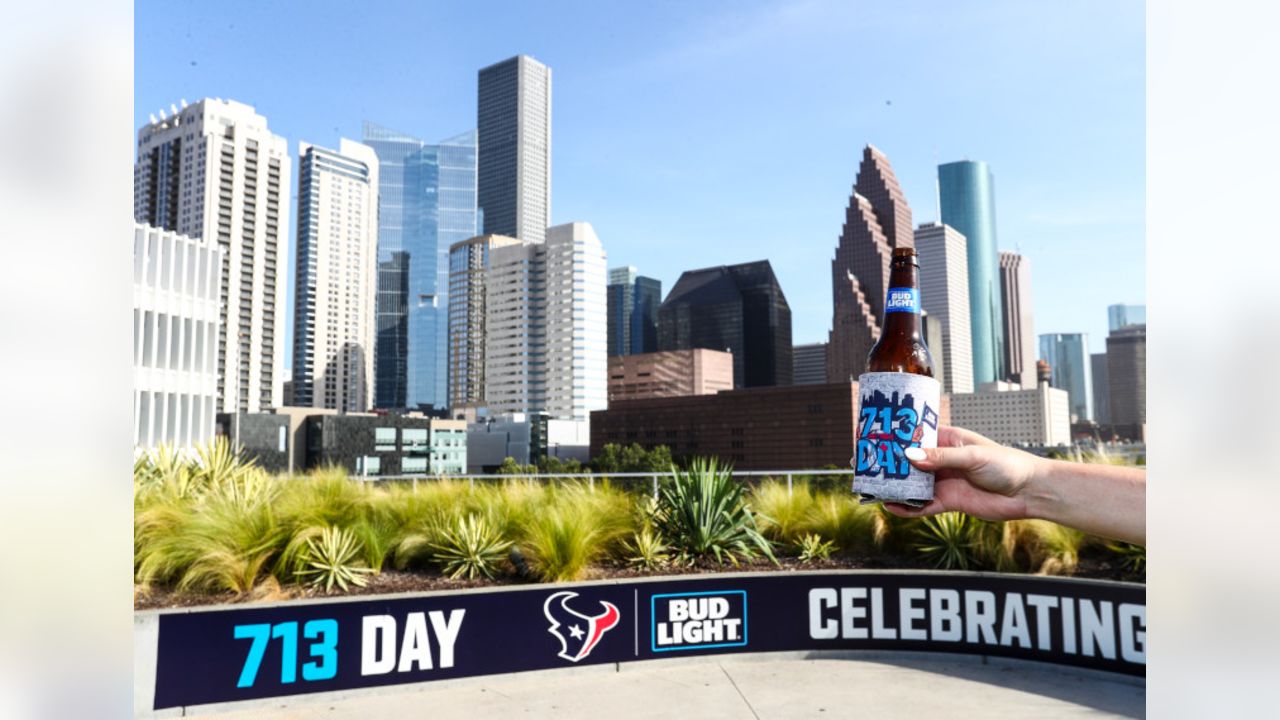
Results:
[902, 305]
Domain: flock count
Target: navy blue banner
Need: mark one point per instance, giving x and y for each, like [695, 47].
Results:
[239, 653]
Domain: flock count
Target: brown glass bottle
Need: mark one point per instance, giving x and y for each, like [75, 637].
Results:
[901, 348]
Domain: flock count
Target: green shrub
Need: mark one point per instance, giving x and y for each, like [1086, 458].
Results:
[782, 514]
[840, 518]
[703, 513]
[576, 528]
[469, 547]
[217, 545]
[1132, 557]
[812, 547]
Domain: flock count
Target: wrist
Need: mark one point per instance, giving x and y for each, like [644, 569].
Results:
[1039, 491]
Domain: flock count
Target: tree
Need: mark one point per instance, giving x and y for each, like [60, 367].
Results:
[614, 458]
[509, 466]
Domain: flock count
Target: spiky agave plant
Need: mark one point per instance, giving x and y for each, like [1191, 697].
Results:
[811, 548]
[948, 539]
[333, 557]
[646, 550]
[704, 514]
[470, 547]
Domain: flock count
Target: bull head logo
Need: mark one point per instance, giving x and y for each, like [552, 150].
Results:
[581, 633]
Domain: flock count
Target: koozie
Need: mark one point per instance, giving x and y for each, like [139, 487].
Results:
[897, 411]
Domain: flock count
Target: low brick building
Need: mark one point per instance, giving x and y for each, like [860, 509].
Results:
[672, 373]
[766, 428]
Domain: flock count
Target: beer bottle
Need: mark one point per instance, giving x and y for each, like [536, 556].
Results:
[899, 397]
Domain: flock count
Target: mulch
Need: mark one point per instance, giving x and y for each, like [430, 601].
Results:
[1092, 564]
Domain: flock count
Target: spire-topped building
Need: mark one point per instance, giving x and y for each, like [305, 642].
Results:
[877, 220]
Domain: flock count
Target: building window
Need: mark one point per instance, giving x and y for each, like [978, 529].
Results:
[368, 465]
[414, 439]
[384, 439]
[815, 442]
[410, 465]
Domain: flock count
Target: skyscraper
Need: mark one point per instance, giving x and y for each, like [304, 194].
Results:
[214, 172]
[621, 301]
[633, 312]
[644, 315]
[944, 295]
[468, 264]
[738, 308]
[546, 329]
[809, 364]
[877, 220]
[1068, 358]
[1101, 387]
[1119, 316]
[427, 202]
[966, 194]
[1016, 318]
[1127, 370]
[513, 120]
[336, 277]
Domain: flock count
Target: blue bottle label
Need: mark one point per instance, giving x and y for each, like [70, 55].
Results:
[903, 300]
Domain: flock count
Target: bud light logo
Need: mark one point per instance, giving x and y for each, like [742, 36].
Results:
[902, 300]
[696, 621]
[578, 632]
[886, 427]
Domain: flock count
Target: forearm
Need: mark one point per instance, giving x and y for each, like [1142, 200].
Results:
[1106, 500]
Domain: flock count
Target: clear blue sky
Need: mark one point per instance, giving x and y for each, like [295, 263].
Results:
[704, 133]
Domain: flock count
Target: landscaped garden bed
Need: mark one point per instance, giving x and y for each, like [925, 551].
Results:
[217, 529]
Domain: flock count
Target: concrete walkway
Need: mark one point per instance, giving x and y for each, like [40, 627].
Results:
[792, 685]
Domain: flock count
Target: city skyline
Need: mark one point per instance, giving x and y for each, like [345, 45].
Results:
[617, 98]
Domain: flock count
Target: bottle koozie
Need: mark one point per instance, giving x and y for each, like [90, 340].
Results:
[897, 411]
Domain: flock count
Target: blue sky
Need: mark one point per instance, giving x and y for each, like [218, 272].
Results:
[703, 133]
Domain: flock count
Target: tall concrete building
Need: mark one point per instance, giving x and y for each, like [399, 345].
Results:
[545, 325]
[427, 202]
[877, 220]
[967, 198]
[176, 314]
[809, 364]
[1120, 316]
[213, 171]
[513, 119]
[944, 295]
[1127, 374]
[633, 312]
[736, 308]
[931, 334]
[1017, 321]
[336, 277]
[1068, 358]
[468, 264]
[1098, 363]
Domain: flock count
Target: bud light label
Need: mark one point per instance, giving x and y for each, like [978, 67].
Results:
[903, 300]
[897, 411]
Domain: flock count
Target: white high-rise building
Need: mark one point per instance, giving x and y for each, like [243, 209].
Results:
[336, 277]
[546, 325]
[214, 172]
[944, 295]
[468, 264]
[175, 334]
[1016, 314]
[513, 124]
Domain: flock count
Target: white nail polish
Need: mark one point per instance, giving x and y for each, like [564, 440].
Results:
[914, 453]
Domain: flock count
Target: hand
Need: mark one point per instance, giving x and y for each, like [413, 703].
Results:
[973, 475]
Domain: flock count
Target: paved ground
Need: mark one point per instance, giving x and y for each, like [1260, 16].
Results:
[761, 687]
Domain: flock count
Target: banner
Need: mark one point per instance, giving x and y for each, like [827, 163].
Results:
[239, 653]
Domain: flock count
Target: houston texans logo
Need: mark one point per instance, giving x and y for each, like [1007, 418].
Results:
[584, 631]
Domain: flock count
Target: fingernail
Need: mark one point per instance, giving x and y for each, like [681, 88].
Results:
[914, 453]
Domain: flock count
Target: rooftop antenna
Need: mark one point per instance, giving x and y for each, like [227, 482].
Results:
[152, 118]
[173, 108]
[184, 103]
[162, 115]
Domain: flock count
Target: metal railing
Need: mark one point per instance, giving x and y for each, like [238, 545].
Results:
[654, 477]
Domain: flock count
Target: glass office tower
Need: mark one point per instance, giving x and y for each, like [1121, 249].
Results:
[967, 196]
[1068, 358]
[427, 202]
